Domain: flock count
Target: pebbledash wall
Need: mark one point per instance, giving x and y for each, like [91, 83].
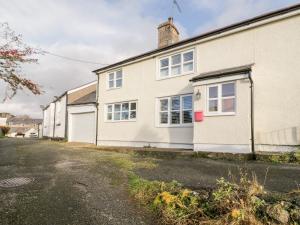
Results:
[270, 45]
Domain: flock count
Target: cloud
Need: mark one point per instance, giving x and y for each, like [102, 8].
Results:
[226, 12]
[99, 31]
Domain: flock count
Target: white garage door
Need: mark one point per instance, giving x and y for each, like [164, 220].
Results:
[83, 127]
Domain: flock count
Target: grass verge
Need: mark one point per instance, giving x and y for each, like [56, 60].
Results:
[288, 157]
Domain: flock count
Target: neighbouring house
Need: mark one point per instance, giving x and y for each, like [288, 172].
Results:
[234, 89]
[3, 121]
[23, 126]
[72, 115]
[4, 117]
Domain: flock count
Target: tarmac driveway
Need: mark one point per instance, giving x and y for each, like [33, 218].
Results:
[76, 185]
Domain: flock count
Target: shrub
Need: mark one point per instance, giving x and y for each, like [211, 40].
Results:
[4, 129]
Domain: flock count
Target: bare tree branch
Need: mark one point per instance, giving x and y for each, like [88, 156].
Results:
[14, 53]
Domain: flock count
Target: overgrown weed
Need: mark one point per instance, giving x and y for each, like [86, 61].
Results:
[240, 201]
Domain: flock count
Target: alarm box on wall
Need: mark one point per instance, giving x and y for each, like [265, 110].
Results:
[198, 116]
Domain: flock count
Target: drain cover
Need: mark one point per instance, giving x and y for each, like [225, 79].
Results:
[15, 182]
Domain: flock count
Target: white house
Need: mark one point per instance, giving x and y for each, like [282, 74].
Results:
[3, 121]
[234, 89]
[48, 120]
[71, 116]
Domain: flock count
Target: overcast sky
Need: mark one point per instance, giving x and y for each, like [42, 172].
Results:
[104, 32]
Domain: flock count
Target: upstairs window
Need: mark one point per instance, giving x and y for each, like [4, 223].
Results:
[176, 110]
[178, 64]
[221, 99]
[115, 79]
[124, 111]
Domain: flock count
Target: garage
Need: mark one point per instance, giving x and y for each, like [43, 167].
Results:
[82, 127]
[82, 119]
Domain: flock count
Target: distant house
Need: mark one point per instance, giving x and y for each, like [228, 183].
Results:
[23, 126]
[234, 89]
[4, 117]
[72, 116]
[3, 121]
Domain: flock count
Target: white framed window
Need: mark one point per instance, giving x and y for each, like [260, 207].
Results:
[177, 64]
[221, 99]
[124, 111]
[175, 110]
[115, 79]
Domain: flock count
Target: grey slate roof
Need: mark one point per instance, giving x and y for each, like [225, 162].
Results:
[223, 73]
[89, 98]
[24, 120]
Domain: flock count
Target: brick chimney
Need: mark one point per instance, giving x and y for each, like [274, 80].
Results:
[167, 33]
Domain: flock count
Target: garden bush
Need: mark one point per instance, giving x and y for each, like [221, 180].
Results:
[4, 129]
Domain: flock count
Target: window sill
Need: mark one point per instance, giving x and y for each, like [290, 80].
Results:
[119, 121]
[219, 114]
[173, 76]
[174, 125]
[110, 89]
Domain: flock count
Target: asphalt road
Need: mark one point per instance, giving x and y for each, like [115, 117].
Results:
[70, 187]
[76, 185]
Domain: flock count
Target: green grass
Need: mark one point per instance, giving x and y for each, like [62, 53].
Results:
[288, 157]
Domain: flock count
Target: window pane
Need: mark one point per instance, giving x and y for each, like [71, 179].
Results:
[164, 117]
[109, 116]
[176, 59]
[176, 70]
[111, 76]
[164, 105]
[164, 62]
[125, 115]
[109, 108]
[187, 116]
[187, 102]
[117, 107]
[188, 56]
[175, 102]
[117, 115]
[119, 83]
[213, 92]
[175, 117]
[111, 84]
[228, 105]
[164, 72]
[125, 106]
[133, 106]
[213, 106]
[132, 114]
[228, 90]
[119, 74]
[187, 67]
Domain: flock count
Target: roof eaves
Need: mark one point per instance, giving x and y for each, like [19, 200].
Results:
[83, 103]
[223, 73]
